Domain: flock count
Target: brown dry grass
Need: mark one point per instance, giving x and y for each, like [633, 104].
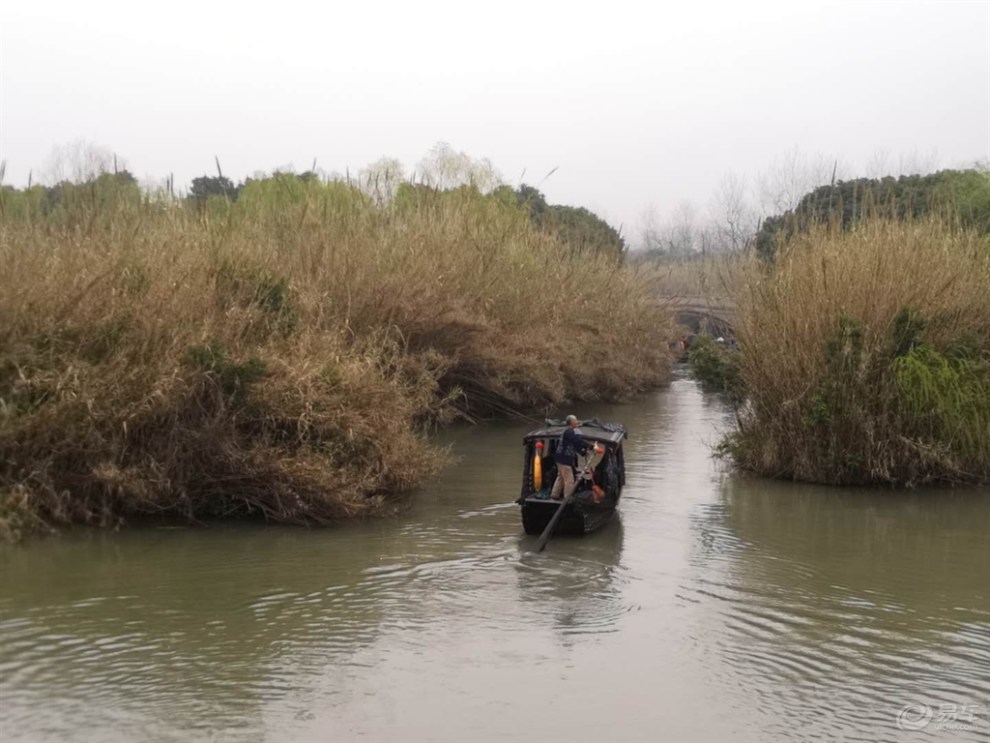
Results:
[284, 355]
[827, 334]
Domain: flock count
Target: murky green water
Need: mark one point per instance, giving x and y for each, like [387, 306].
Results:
[715, 608]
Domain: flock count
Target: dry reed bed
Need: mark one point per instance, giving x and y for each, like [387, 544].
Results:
[866, 359]
[283, 356]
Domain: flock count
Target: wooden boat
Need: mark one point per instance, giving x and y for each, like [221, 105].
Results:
[588, 509]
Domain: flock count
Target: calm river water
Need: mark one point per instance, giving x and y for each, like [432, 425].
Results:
[714, 608]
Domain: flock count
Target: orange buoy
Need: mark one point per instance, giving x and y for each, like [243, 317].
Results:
[538, 466]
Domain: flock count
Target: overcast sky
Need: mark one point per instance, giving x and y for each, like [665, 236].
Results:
[635, 103]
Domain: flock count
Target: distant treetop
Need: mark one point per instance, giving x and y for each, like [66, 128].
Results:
[963, 194]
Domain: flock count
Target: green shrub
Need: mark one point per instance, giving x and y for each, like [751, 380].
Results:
[716, 367]
[945, 402]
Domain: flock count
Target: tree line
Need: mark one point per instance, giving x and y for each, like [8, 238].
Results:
[94, 188]
[732, 223]
[962, 196]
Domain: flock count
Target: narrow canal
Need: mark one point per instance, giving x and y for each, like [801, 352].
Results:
[716, 607]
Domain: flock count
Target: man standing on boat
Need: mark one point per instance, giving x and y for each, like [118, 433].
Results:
[570, 446]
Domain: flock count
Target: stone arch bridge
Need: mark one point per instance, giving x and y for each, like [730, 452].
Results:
[715, 316]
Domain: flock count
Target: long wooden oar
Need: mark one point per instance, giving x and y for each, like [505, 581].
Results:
[545, 536]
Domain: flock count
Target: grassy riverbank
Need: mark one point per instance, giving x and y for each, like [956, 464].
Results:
[283, 355]
[866, 357]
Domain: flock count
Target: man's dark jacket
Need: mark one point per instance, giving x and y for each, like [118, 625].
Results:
[571, 444]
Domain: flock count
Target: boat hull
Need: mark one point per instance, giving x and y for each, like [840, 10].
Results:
[577, 519]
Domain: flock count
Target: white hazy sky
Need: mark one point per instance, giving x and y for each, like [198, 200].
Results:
[635, 103]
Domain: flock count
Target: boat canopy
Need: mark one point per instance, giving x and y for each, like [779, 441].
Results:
[593, 429]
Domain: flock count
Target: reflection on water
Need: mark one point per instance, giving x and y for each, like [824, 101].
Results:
[582, 592]
[714, 607]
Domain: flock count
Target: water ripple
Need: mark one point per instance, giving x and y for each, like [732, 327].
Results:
[715, 608]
